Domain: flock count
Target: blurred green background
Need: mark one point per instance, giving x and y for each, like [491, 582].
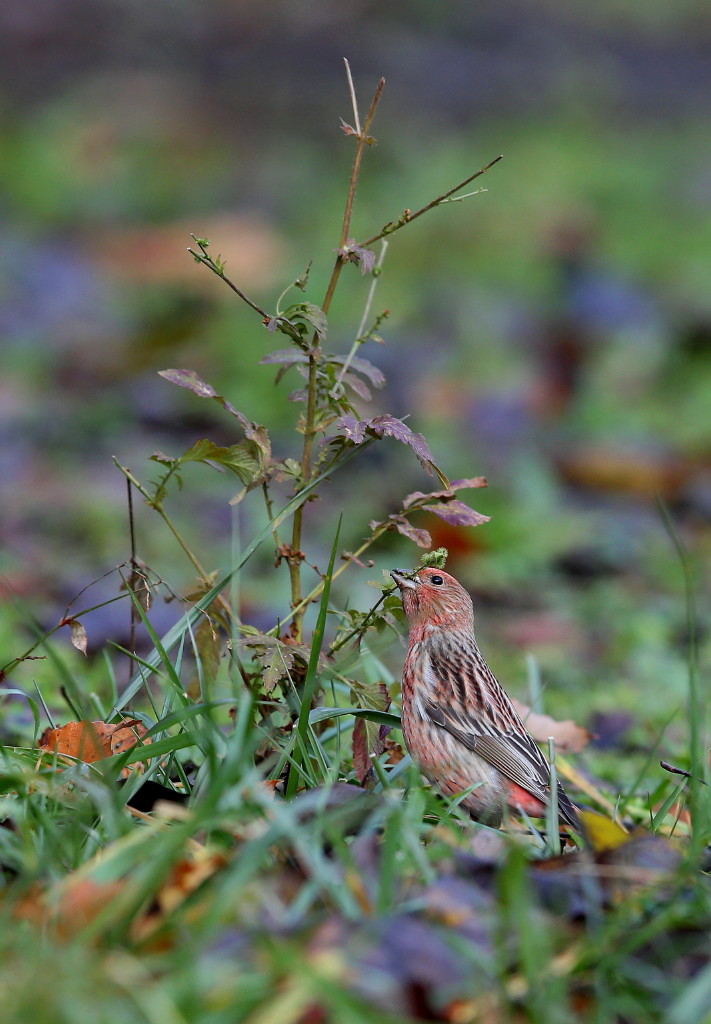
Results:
[553, 333]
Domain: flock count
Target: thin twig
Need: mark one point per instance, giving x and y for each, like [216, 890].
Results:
[134, 573]
[359, 629]
[202, 573]
[391, 228]
[204, 257]
[270, 512]
[314, 358]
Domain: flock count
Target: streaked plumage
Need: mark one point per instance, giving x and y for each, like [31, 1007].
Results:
[458, 723]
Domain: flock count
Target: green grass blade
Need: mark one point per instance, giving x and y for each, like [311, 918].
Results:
[310, 680]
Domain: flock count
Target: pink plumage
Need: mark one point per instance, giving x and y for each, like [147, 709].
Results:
[458, 723]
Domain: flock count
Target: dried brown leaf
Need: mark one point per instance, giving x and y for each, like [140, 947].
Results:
[569, 737]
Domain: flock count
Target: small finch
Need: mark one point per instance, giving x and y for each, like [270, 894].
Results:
[458, 723]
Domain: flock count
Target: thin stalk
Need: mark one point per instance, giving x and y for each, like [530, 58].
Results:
[314, 358]
[697, 741]
[364, 319]
[318, 589]
[134, 571]
[166, 519]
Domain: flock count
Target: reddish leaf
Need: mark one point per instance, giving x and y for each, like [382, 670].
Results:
[457, 513]
[362, 366]
[449, 492]
[351, 428]
[93, 741]
[359, 386]
[389, 426]
[421, 537]
[361, 760]
[189, 379]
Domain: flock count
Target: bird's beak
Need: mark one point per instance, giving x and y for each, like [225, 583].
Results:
[404, 582]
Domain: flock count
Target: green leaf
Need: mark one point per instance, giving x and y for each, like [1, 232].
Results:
[244, 459]
[311, 314]
[322, 714]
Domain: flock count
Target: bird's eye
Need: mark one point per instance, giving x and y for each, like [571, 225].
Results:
[436, 580]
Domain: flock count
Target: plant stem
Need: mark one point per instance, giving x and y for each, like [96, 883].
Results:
[297, 604]
[313, 594]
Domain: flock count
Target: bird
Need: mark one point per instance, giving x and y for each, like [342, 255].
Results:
[458, 723]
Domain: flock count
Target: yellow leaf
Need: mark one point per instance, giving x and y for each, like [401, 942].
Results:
[602, 833]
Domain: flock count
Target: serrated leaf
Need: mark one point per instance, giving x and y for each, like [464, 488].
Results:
[448, 492]
[390, 426]
[165, 460]
[189, 379]
[351, 428]
[364, 367]
[311, 314]
[244, 459]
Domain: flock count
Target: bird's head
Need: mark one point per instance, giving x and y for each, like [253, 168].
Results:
[431, 597]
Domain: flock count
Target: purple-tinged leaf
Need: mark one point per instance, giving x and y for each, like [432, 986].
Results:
[285, 356]
[421, 537]
[457, 513]
[367, 260]
[359, 386]
[351, 252]
[366, 368]
[389, 426]
[447, 494]
[362, 366]
[189, 379]
[350, 427]
[298, 396]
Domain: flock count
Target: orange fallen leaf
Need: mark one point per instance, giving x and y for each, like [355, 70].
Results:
[69, 906]
[93, 741]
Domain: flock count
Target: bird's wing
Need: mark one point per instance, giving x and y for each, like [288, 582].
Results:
[514, 754]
